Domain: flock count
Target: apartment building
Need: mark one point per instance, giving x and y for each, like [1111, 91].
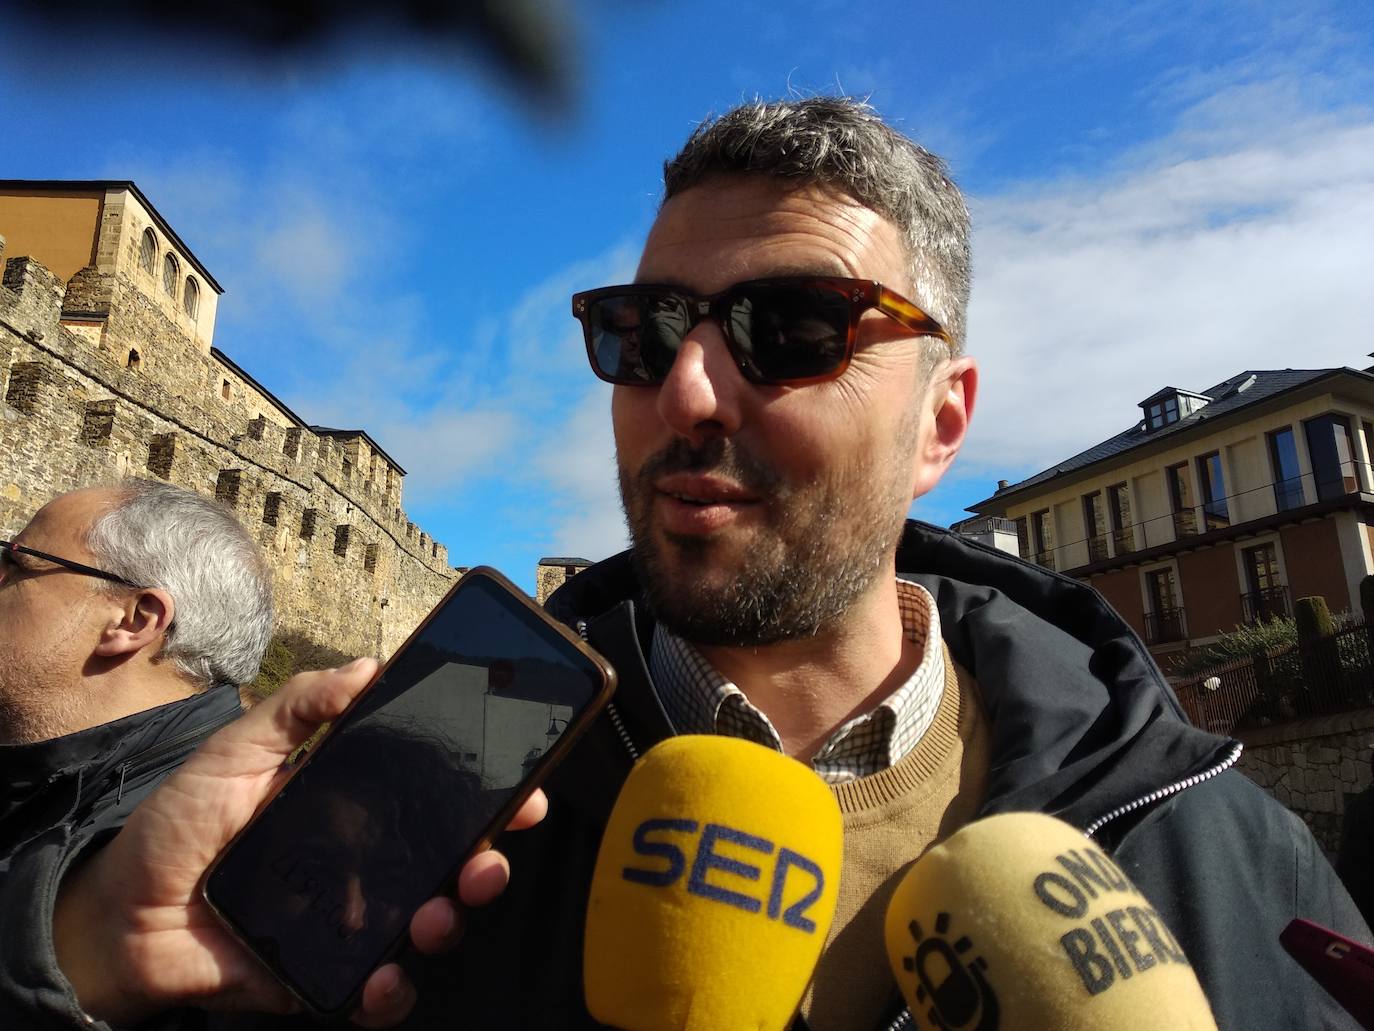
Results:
[1216, 507]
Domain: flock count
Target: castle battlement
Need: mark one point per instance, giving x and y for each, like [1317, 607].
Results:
[100, 381]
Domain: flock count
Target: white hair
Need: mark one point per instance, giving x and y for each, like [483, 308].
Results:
[160, 535]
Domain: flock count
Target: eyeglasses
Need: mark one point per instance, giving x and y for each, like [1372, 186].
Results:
[787, 331]
[8, 566]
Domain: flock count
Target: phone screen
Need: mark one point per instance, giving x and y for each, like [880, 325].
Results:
[325, 879]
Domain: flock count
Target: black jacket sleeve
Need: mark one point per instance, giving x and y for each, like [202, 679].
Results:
[1228, 867]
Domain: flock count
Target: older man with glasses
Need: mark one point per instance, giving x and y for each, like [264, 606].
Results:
[129, 615]
[795, 379]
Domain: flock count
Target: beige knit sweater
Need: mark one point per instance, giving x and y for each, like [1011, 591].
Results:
[890, 819]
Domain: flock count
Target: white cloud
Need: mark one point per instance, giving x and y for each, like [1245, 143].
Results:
[309, 255]
[1191, 262]
[577, 459]
[514, 403]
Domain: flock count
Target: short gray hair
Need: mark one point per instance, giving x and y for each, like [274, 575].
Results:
[841, 143]
[160, 535]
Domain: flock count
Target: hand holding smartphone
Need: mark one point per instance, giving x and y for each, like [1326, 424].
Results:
[420, 773]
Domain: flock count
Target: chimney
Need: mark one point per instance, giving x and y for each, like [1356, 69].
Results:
[1004, 484]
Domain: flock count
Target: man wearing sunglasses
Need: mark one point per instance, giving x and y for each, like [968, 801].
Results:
[788, 376]
[797, 379]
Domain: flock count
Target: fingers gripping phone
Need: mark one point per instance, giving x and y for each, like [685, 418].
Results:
[421, 772]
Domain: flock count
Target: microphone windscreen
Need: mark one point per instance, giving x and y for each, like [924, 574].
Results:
[1021, 919]
[713, 891]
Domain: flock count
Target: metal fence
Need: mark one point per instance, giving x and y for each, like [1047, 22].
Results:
[1332, 674]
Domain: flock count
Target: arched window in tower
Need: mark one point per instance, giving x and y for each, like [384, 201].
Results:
[190, 297]
[134, 360]
[170, 275]
[147, 252]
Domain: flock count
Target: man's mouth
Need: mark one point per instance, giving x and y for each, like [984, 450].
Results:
[693, 504]
[703, 490]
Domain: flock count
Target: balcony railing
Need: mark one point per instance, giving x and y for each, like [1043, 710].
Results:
[1266, 604]
[1288, 494]
[1185, 523]
[1123, 540]
[1165, 626]
[1097, 548]
[1044, 558]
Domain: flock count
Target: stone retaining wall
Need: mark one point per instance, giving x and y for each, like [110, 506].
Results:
[1313, 767]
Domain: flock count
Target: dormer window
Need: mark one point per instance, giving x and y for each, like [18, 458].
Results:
[1161, 413]
[1170, 405]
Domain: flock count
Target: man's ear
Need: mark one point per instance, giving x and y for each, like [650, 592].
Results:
[949, 401]
[143, 620]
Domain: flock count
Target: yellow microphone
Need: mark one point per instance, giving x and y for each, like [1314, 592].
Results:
[713, 891]
[1020, 921]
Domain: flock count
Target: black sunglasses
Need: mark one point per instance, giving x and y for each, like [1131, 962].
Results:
[786, 331]
[8, 549]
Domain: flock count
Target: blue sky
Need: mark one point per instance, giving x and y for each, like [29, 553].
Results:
[1163, 192]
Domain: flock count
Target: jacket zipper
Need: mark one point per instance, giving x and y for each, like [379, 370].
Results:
[611, 710]
[163, 749]
[1167, 790]
[904, 1020]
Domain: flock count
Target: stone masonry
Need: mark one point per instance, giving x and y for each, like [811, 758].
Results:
[98, 383]
[1313, 767]
[553, 573]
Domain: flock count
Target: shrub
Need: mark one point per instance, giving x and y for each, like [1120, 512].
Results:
[288, 653]
[1240, 643]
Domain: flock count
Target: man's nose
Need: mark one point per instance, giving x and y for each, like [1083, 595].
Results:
[704, 391]
[354, 917]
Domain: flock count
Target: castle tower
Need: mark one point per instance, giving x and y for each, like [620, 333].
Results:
[98, 235]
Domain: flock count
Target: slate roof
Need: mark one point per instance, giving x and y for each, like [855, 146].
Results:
[1227, 396]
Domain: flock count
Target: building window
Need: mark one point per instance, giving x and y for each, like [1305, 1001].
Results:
[370, 558]
[341, 535]
[134, 360]
[1181, 500]
[1215, 514]
[1042, 537]
[1333, 459]
[147, 252]
[1368, 431]
[1119, 507]
[226, 390]
[1023, 547]
[1283, 456]
[190, 297]
[307, 524]
[171, 275]
[1266, 597]
[271, 509]
[1095, 523]
[1163, 412]
[1164, 615]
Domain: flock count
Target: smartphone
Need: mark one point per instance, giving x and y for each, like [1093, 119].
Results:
[1341, 965]
[421, 772]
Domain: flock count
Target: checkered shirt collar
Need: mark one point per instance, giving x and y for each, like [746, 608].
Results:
[701, 701]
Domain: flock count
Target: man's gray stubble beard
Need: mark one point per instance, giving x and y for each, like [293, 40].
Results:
[822, 561]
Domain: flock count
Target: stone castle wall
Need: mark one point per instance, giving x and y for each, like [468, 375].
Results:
[97, 384]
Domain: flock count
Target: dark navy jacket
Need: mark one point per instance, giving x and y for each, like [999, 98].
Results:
[59, 798]
[1083, 726]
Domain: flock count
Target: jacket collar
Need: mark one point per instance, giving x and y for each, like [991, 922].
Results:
[25, 768]
[1081, 720]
